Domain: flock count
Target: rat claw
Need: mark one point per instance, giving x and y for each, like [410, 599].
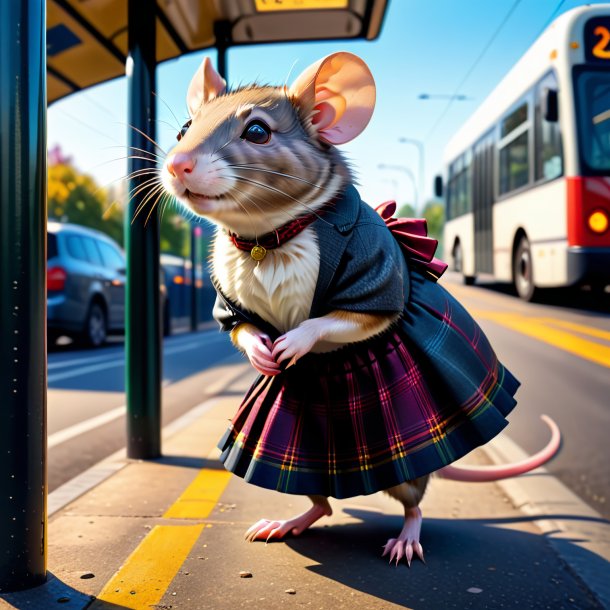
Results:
[409, 552]
[419, 551]
[388, 546]
[253, 530]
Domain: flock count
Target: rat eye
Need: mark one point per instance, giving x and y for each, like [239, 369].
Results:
[257, 132]
[184, 129]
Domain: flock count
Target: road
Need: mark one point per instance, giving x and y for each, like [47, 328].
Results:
[558, 349]
[86, 401]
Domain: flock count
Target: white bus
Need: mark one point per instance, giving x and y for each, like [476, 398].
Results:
[528, 175]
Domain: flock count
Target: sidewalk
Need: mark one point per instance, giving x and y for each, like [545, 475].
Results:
[168, 534]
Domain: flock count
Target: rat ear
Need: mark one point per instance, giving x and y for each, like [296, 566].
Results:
[341, 89]
[205, 85]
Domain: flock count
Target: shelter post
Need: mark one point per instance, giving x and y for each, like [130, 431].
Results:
[142, 315]
[23, 191]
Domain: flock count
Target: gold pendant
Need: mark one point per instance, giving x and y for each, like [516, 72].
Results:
[258, 253]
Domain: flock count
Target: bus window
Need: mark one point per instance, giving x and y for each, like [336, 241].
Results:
[459, 189]
[514, 150]
[549, 158]
[593, 97]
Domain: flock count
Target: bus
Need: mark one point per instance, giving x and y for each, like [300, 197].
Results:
[527, 177]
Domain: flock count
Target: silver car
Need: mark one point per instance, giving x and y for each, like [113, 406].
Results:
[85, 283]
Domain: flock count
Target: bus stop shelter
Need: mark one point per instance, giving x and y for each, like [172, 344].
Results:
[49, 50]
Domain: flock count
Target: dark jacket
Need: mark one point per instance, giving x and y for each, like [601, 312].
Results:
[362, 268]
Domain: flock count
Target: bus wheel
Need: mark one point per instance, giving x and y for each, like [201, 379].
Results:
[523, 270]
[458, 258]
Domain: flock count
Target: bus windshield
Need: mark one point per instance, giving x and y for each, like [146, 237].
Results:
[593, 104]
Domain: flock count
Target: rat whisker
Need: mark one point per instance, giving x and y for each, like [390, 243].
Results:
[269, 171]
[147, 137]
[148, 197]
[153, 207]
[280, 192]
[140, 150]
[169, 108]
[141, 188]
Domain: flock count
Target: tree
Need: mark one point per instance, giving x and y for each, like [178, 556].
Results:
[405, 211]
[75, 197]
[434, 213]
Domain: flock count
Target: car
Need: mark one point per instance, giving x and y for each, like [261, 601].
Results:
[85, 283]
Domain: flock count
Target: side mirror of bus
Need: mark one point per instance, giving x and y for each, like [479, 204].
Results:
[550, 105]
[438, 186]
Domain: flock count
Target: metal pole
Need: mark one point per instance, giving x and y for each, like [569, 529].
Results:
[222, 31]
[420, 148]
[23, 189]
[142, 315]
[194, 256]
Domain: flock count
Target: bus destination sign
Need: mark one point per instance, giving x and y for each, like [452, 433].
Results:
[597, 40]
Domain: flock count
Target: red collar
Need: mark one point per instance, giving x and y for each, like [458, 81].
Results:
[259, 246]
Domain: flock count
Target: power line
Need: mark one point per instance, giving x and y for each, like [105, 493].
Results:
[473, 66]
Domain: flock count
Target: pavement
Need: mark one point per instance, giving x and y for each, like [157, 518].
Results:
[168, 534]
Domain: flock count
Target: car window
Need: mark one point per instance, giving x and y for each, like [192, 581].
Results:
[93, 254]
[76, 247]
[51, 245]
[111, 256]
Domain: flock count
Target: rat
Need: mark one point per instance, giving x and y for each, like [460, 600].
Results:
[371, 375]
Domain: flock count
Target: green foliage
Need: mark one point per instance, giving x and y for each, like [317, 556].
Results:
[75, 197]
[434, 213]
[405, 211]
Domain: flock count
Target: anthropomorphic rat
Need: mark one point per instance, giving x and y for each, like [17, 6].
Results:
[372, 376]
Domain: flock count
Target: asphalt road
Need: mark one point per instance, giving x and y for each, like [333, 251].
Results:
[86, 400]
[559, 349]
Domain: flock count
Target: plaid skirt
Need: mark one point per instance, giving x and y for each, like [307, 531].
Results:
[375, 414]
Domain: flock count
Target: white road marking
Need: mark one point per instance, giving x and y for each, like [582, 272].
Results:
[93, 368]
[85, 426]
[100, 420]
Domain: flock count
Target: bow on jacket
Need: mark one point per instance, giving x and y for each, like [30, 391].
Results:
[412, 235]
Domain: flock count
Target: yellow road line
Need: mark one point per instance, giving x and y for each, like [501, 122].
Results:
[580, 328]
[144, 578]
[200, 496]
[541, 329]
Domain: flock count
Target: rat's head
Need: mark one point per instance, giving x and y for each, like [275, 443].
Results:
[252, 159]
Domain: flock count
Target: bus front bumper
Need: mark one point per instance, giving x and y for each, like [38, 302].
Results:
[589, 266]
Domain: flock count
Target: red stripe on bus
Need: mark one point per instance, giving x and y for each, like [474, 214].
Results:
[587, 195]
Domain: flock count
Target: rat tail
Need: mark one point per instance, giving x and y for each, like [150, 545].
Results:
[483, 474]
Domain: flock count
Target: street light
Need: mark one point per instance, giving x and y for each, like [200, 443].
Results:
[420, 148]
[444, 96]
[404, 170]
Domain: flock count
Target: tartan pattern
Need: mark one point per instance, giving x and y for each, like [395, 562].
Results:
[378, 413]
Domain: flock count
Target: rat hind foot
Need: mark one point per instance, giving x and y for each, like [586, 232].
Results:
[407, 544]
[267, 529]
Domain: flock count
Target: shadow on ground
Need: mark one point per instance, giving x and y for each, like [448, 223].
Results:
[469, 564]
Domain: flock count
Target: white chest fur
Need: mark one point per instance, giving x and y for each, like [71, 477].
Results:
[280, 288]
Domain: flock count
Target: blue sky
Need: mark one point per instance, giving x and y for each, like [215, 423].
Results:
[426, 46]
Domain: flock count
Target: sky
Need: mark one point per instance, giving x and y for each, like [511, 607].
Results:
[441, 48]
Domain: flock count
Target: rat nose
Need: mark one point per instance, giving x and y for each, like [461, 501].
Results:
[180, 164]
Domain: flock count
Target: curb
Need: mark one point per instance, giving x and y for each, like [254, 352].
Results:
[576, 532]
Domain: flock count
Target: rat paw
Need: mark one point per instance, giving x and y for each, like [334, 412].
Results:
[407, 544]
[403, 548]
[266, 530]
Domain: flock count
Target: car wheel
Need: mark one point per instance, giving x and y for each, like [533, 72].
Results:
[523, 276]
[95, 331]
